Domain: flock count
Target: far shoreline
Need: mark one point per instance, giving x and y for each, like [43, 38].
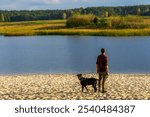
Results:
[58, 27]
[45, 74]
[86, 32]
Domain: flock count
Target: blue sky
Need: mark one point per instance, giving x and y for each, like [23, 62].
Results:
[64, 4]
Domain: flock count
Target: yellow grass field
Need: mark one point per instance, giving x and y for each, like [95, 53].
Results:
[58, 27]
[29, 27]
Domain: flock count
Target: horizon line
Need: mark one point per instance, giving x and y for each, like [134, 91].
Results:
[73, 8]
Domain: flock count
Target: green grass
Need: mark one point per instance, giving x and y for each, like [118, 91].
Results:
[93, 32]
[58, 27]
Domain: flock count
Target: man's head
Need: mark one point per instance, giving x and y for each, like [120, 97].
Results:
[103, 50]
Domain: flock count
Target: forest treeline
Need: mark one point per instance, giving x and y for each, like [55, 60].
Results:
[32, 15]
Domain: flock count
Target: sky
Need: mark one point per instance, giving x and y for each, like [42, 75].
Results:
[64, 4]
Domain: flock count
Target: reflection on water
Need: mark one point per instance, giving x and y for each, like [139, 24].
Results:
[72, 54]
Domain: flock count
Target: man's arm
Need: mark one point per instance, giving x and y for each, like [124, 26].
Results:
[97, 65]
[97, 68]
[107, 69]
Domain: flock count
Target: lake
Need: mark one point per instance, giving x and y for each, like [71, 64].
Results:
[72, 54]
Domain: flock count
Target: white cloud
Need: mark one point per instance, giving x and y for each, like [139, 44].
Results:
[52, 1]
[75, 0]
[82, 0]
[87, 0]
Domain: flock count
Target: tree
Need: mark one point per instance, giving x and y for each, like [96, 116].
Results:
[138, 11]
[106, 14]
[95, 20]
[7, 18]
[2, 18]
[30, 15]
[75, 13]
[64, 16]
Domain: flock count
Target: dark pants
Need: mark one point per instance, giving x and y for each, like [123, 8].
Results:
[102, 78]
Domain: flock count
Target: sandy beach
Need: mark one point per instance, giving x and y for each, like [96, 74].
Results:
[67, 87]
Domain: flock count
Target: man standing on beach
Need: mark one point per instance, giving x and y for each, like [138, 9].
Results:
[102, 69]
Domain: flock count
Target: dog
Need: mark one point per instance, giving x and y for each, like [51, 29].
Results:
[87, 81]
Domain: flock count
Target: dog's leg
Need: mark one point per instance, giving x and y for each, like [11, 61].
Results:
[86, 89]
[95, 86]
[82, 88]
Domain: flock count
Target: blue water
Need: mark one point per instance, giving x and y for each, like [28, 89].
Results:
[72, 54]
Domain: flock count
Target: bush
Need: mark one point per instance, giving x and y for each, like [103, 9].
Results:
[80, 20]
[127, 22]
[104, 23]
[118, 22]
[95, 20]
[133, 18]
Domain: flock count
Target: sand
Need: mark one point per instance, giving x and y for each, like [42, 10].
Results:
[67, 87]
